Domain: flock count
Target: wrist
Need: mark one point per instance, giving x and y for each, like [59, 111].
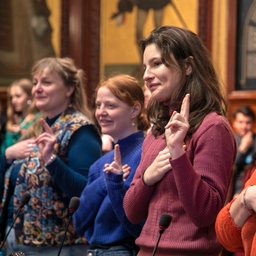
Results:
[176, 152]
[244, 201]
[146, 181]
[50, 160]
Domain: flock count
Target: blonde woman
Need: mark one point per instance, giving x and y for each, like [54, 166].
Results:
[21, 111]
[56, 162]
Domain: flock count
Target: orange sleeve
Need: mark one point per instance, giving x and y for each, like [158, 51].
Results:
[227, 232]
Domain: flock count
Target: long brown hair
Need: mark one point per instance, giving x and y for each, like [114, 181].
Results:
[203, 84]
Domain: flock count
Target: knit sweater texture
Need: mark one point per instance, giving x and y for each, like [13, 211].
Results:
[193, 192]
[232, 237]
[100, 216]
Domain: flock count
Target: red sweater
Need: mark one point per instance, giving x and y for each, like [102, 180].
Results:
[233, 238]
[193, 192]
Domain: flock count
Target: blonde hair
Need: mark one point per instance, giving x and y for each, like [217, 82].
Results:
[71, 76]
[26, 85]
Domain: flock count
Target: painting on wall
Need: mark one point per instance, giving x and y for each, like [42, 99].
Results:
[125, 22]
[246, 45]
[25, 37]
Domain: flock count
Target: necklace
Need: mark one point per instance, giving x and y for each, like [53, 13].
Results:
[24, 122]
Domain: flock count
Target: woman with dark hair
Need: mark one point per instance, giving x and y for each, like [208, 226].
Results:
[188, 155]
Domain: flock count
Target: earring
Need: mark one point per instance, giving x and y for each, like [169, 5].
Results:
[133, 124]
[29, 102]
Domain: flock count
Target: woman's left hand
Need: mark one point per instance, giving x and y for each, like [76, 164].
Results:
[176, 129]
[46, 141]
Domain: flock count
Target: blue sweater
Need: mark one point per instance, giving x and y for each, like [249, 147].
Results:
[100, 216]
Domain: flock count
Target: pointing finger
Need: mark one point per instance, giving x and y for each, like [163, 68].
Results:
[117, 155]
[46, 127]
[185, 107]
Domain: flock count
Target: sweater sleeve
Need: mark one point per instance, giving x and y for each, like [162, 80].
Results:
[201, 176]
[83, 150]
[116, 191]
[227, 232]
[203, 185]
[137, 198]
[90, 200]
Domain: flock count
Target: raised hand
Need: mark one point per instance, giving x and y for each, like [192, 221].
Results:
[116, 166]
[246, 142]
[46, 141]
[176, 129]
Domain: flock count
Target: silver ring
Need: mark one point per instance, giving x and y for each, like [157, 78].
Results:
[30, 145]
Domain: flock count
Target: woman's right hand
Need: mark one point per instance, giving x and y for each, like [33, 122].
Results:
[20, 150]
[158, 168]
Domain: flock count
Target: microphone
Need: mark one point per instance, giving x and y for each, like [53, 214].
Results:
[73, 206]
[164, 223]
[24, 200]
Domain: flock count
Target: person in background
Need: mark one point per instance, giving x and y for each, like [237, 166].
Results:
[188, 156]
[100, 217]
[236, 222]
[243, 122]
[21, 111]
[56, 162]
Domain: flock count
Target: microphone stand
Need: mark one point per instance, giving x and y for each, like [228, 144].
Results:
[24, 200]
[10, 228]
[66, 230]
[73, 206]
[157, 242]
[164, 223]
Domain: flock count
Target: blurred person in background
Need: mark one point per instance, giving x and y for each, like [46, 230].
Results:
[21, 111]
[243, 124]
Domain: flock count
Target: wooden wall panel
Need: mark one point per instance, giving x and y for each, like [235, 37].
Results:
[236, 98]
[205, 14]
[80, 38]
